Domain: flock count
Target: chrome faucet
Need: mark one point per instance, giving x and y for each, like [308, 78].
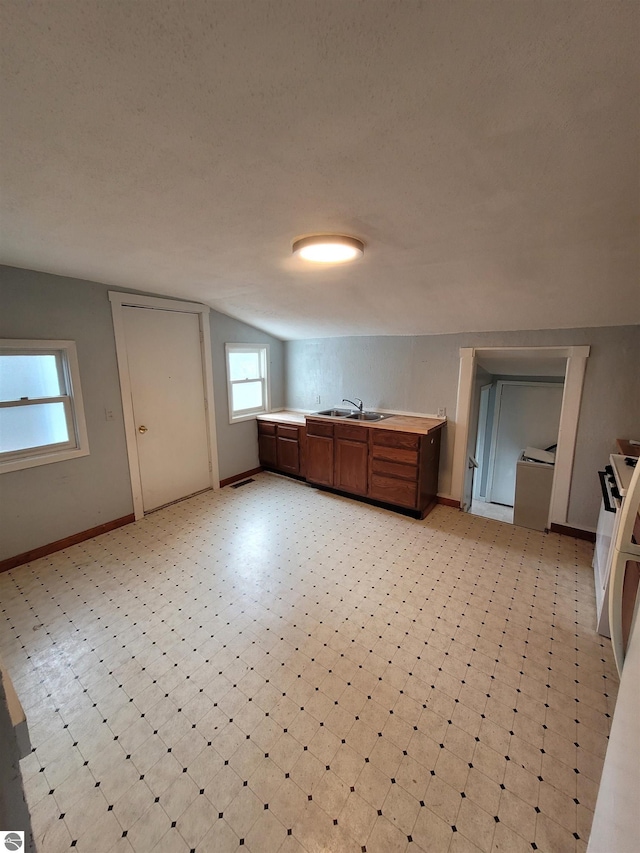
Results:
[359, 405]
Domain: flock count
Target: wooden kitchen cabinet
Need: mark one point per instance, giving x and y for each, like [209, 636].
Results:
[351, 459]
[281, 447]
[267, 444]
[288, 449]
[404, 468]
[393, 467]
[320, 456]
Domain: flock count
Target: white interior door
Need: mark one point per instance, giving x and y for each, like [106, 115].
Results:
[167, 393]
[527, 414]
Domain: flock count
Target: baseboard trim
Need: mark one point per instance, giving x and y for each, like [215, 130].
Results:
[52, 547]
[576, 532]
[228, 480]
[448, 502]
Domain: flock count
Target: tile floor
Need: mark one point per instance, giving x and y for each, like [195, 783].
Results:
[274, 668]
[498, 512]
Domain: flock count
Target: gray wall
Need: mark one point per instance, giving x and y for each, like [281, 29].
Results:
[420, 374]
[46, 503]
[238, 442]
[49, 502]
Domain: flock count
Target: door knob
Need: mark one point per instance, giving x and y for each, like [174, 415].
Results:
[142, 429]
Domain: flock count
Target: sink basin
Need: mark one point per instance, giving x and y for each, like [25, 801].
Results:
[368, 416]
[337, 413]
[353, 416]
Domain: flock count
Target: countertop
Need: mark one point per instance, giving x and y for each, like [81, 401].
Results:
[283, 418]
[397, 423]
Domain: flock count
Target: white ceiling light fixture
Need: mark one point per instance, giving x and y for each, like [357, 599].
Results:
[328, 248]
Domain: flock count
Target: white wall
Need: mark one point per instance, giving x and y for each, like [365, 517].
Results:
[420, 374]
[50, 502]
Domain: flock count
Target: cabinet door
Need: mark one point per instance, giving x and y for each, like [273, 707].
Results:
[320, 460]
[288, 453]
[267, 450]
[351, 466]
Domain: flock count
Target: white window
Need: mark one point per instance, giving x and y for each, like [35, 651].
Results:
[41, 413]
[247, 380]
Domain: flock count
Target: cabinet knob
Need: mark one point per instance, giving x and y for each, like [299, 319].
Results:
[142, 429]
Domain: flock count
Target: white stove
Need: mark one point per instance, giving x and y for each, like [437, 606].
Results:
[622, 467]
[614, 481]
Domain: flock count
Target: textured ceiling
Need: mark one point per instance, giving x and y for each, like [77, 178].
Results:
[486, 152]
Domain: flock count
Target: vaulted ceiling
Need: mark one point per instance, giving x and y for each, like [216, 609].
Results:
[486, 152]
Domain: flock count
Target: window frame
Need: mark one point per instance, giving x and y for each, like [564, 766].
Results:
[262, 350]
[71, 397]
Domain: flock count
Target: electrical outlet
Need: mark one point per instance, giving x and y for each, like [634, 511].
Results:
[318, 401]
[108, 414]
[442, 412]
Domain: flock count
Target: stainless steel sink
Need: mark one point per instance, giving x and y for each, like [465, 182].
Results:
[337, 413]
[351, 415]
[368, 416]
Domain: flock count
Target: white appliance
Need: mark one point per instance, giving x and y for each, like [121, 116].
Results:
[615, 822]
[534, 481]
[614, 482]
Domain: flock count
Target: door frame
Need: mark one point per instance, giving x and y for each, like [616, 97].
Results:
[576, 365]
[120, 300]
[481, 436]
[493, 447]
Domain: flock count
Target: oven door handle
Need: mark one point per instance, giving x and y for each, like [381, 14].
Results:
[605, 492]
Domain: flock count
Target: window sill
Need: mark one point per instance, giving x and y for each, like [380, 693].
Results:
[45, 459]
[250, 417]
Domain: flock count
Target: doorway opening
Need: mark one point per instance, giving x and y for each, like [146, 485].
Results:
[514, 414]
[510, 400]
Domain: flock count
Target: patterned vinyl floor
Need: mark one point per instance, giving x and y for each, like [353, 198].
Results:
[274, 668]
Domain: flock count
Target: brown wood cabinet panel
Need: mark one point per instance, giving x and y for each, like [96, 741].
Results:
[429, 465]
[281, 447]
[394, 469]
[351, 464]
[320, 428]
[287, 431]
[395, 454]
[267, 450]
[288, 454]
[389, 438]
[353, 432]
[319, 461]
[393, 491]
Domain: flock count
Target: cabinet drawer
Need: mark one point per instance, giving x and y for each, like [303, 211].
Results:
[395, 454]
[387, 438]
[287, 431]
[393, 491]
[320, 428]
[394, 469]
[352, 432]
[265, 428]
